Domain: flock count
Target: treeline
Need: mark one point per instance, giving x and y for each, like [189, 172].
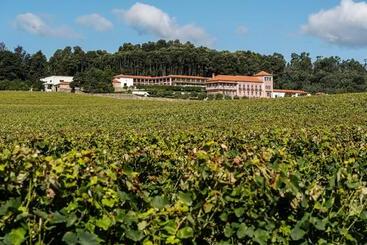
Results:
[325, 74]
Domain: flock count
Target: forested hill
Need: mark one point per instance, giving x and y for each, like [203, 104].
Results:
[20, 70]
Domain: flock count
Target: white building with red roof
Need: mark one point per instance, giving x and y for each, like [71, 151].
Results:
[280, 93]
[258, 86]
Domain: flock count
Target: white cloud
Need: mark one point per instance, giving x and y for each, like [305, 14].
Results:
[241, 30]
[95, 21]
[148, 19]
[34, 24]
[345, 24]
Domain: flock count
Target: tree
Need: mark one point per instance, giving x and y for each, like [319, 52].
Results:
[11, 67]
[37, 68]
[326, 74]
[2, 46]
[94, 81]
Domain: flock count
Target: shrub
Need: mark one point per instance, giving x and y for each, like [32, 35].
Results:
[15, 85]
[219, 96]
[202, 96]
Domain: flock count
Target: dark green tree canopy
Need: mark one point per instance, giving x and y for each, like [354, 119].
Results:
[325, 74]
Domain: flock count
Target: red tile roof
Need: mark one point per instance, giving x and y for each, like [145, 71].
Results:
[262, 74]
[235, 79]
[188, 77]
[132, 76]
[289, 91]
[161, 77]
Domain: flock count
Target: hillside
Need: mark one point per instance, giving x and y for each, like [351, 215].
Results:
[94, 69]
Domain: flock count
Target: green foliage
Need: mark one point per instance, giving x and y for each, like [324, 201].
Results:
[171, 88]
[15, 237]
[326, 74]
[15, 85]
[89, 170]
[220, 96]
[179, 92]
[94, 81]
[21, 71]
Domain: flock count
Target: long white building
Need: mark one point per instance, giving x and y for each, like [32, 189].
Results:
[121, 82]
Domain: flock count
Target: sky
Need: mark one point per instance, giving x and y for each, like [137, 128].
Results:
[320, 27]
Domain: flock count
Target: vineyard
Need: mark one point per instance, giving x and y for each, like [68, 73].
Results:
[77, 169]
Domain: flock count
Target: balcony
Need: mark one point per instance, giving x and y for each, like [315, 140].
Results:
[221, 88]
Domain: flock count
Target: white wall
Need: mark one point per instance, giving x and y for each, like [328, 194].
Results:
[277, 95]
[282, 94]
[51, 83]
[55, 80]
[128, 82]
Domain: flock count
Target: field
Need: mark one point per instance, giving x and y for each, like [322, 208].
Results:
[89, 170]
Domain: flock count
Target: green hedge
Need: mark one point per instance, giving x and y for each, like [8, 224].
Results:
[171, 88]
[14, 85]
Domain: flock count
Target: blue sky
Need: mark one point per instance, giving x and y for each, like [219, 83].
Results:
[321, 27]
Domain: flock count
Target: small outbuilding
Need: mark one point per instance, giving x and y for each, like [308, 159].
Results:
[57, 83]
[280, 93]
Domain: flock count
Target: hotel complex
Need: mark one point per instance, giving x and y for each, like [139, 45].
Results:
[258, 86]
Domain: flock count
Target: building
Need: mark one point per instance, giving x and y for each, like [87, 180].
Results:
[57, 83]
[122, 82]
[280, 93]
[140, 93]
[258, 86]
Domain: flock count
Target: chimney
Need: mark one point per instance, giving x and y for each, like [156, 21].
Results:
[213, 75]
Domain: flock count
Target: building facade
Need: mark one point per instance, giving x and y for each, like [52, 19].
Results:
[280, 93]
[258, 86]
[122, 82]
[57, 83]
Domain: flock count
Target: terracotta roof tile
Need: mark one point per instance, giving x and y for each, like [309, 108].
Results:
[132, 76]
[289, 91]
[160, 77]
[234, 79]
[189, 77]
[262, 74]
